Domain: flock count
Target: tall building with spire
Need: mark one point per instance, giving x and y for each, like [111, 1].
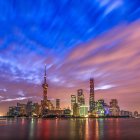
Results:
[91, 98]
[45, 86]
[45, 103]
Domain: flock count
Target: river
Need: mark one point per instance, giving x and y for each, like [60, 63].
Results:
[70, 129]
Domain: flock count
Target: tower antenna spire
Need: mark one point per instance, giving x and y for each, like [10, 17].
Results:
[45, 76]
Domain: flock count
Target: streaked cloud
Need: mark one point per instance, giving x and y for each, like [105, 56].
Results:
[15, 99]
[104, 87]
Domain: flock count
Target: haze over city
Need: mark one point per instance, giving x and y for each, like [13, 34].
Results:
[76, 41]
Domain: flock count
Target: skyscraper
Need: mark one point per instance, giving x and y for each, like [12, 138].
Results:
[91, 98]
[80, 97]
[73, 101]
[76, 110]
[45, 103]
[29, 108]
[45, 86]
[114, 108]
[57, 104]
[83, 111]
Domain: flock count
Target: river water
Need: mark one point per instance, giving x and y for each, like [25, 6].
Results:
[70, 129]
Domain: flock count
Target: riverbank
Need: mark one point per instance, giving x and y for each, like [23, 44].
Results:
[66, 117]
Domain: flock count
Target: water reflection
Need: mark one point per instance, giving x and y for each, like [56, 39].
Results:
[97, 130]
[31, 128]
[69, 129]
[55, 128]
[87, 129]
[101, 128]
[114, 128]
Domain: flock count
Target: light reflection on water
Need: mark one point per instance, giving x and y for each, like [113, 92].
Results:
[69, 129]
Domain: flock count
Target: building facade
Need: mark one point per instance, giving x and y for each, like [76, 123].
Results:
[57, 104]
[76, 110]
[80, 97]
[91, 98]
[114, 108]
[73, 101]
[83, 111]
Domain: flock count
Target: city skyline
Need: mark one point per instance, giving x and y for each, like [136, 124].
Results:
[45, 108]
[74, 49]
[93, 106]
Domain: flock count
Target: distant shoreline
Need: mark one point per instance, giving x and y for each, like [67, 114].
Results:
[54, 117]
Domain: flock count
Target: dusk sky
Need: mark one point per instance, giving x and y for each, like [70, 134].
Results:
[76, 40]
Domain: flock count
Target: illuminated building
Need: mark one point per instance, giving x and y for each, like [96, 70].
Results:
[58, 113]
[45, 103]
[130, 114]
[29, 108]
[124, 113]
[36, 109]
[83, 111]
[73, 101]
[76, 110]
[136, 114]
[21, 108]
[55, 112]
[91, 98]
[80, 97]
[107, 109]
[101, 109]
[114, 108]
[67, 112]
[13, 111]
[57, 104]
[48, 105]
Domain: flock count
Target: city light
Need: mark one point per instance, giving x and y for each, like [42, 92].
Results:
[78, 107]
